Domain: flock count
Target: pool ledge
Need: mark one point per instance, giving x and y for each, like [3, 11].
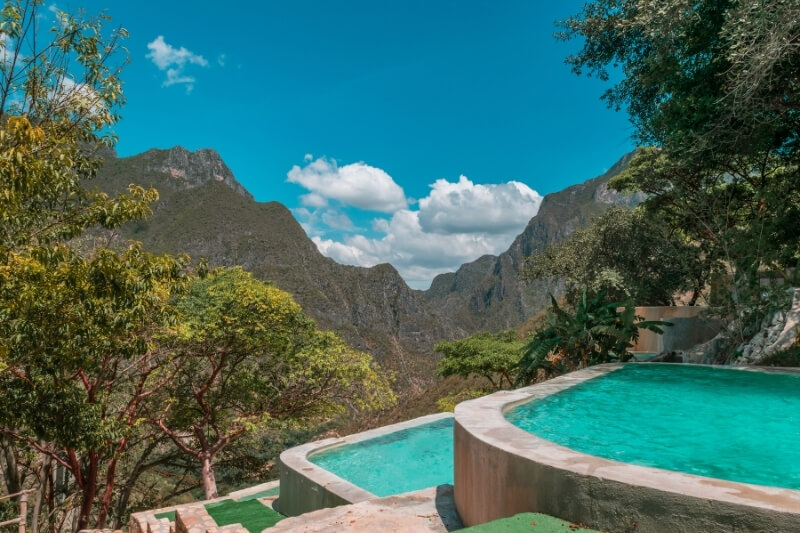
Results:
[306, 487]
[501, 470]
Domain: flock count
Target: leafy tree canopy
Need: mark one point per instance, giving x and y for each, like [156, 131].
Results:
[627, 254]
[247, 357]
[491, 355]
[710, 79]
[76, 329]
[712, 89]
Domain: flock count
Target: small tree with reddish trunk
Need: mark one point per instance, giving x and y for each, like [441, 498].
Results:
[75, 358]
[247, 357]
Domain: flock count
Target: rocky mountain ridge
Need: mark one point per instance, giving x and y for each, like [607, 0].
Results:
[489, 293]
[205, 212]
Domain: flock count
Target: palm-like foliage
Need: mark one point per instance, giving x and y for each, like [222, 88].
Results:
[597, 332]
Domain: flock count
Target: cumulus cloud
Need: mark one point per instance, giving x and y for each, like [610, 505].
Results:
[464, 207]
[317, 221]
[418, 255]
[337, 220]
[77, 97]
[346, 254]
[357, 185]
[456, 223]
[173, 62]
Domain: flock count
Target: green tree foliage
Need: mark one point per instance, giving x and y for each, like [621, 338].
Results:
[597, 331]
[76, 357]
[246, 357]
[627, 254]
[491, 355]
[77, 333]
[712, 79]
[712, 88]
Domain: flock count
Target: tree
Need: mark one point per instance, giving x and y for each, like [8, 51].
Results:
[597, 331]
[246, 357]
[491, 355]
[708, 79]
[627, 254]
[712, 89]
[80, 359]
[76, 359]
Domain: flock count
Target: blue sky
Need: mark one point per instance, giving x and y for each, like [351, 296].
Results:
[420, 133]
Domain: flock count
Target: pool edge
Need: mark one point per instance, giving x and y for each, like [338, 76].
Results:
[501, 470]
[306, 487]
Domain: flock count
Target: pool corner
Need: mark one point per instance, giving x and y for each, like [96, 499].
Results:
[307, 487]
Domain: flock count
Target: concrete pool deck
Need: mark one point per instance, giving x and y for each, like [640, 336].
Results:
[501, 470]
[427, 510]
[306, 487]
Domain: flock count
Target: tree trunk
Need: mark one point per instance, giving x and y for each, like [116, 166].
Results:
[10, 470]
[209, 483]
[88, 493]
[109, 492]
[695, 296]
[45, 471]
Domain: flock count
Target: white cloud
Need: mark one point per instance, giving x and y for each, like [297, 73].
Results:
[78, 97]
[337, 220]
[221, 58]
[357, 185]
[464, 207]
[456, 223]
[317, 221]
[173, 61]
[418, 256]
[314, 200]
[346, 254]
[6, 48]
[59, 15]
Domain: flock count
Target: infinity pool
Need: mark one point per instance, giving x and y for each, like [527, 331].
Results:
[402, 461]
[721, 423]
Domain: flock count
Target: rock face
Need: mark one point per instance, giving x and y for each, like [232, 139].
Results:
[205, 212]
[778, 332]
[179, 169]
[489, 293]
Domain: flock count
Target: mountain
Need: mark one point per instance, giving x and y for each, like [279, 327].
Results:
[205, 212]
[489, 293]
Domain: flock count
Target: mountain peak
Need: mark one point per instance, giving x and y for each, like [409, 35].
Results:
[186, 169]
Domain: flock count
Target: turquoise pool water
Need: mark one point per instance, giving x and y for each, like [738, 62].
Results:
[722, 423]
[406, 460]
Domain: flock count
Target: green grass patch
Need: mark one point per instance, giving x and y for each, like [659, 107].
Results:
[252, 514]
[528, 522]
[166, 514]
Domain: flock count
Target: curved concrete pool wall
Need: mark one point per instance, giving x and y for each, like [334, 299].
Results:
[501, 470]
[307, 487]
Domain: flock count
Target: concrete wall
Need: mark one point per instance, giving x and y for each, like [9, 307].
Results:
[501, 470]
[306, 487]
[688, 328]
[300, 494]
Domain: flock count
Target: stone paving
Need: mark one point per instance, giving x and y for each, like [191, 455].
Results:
[422, 511]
